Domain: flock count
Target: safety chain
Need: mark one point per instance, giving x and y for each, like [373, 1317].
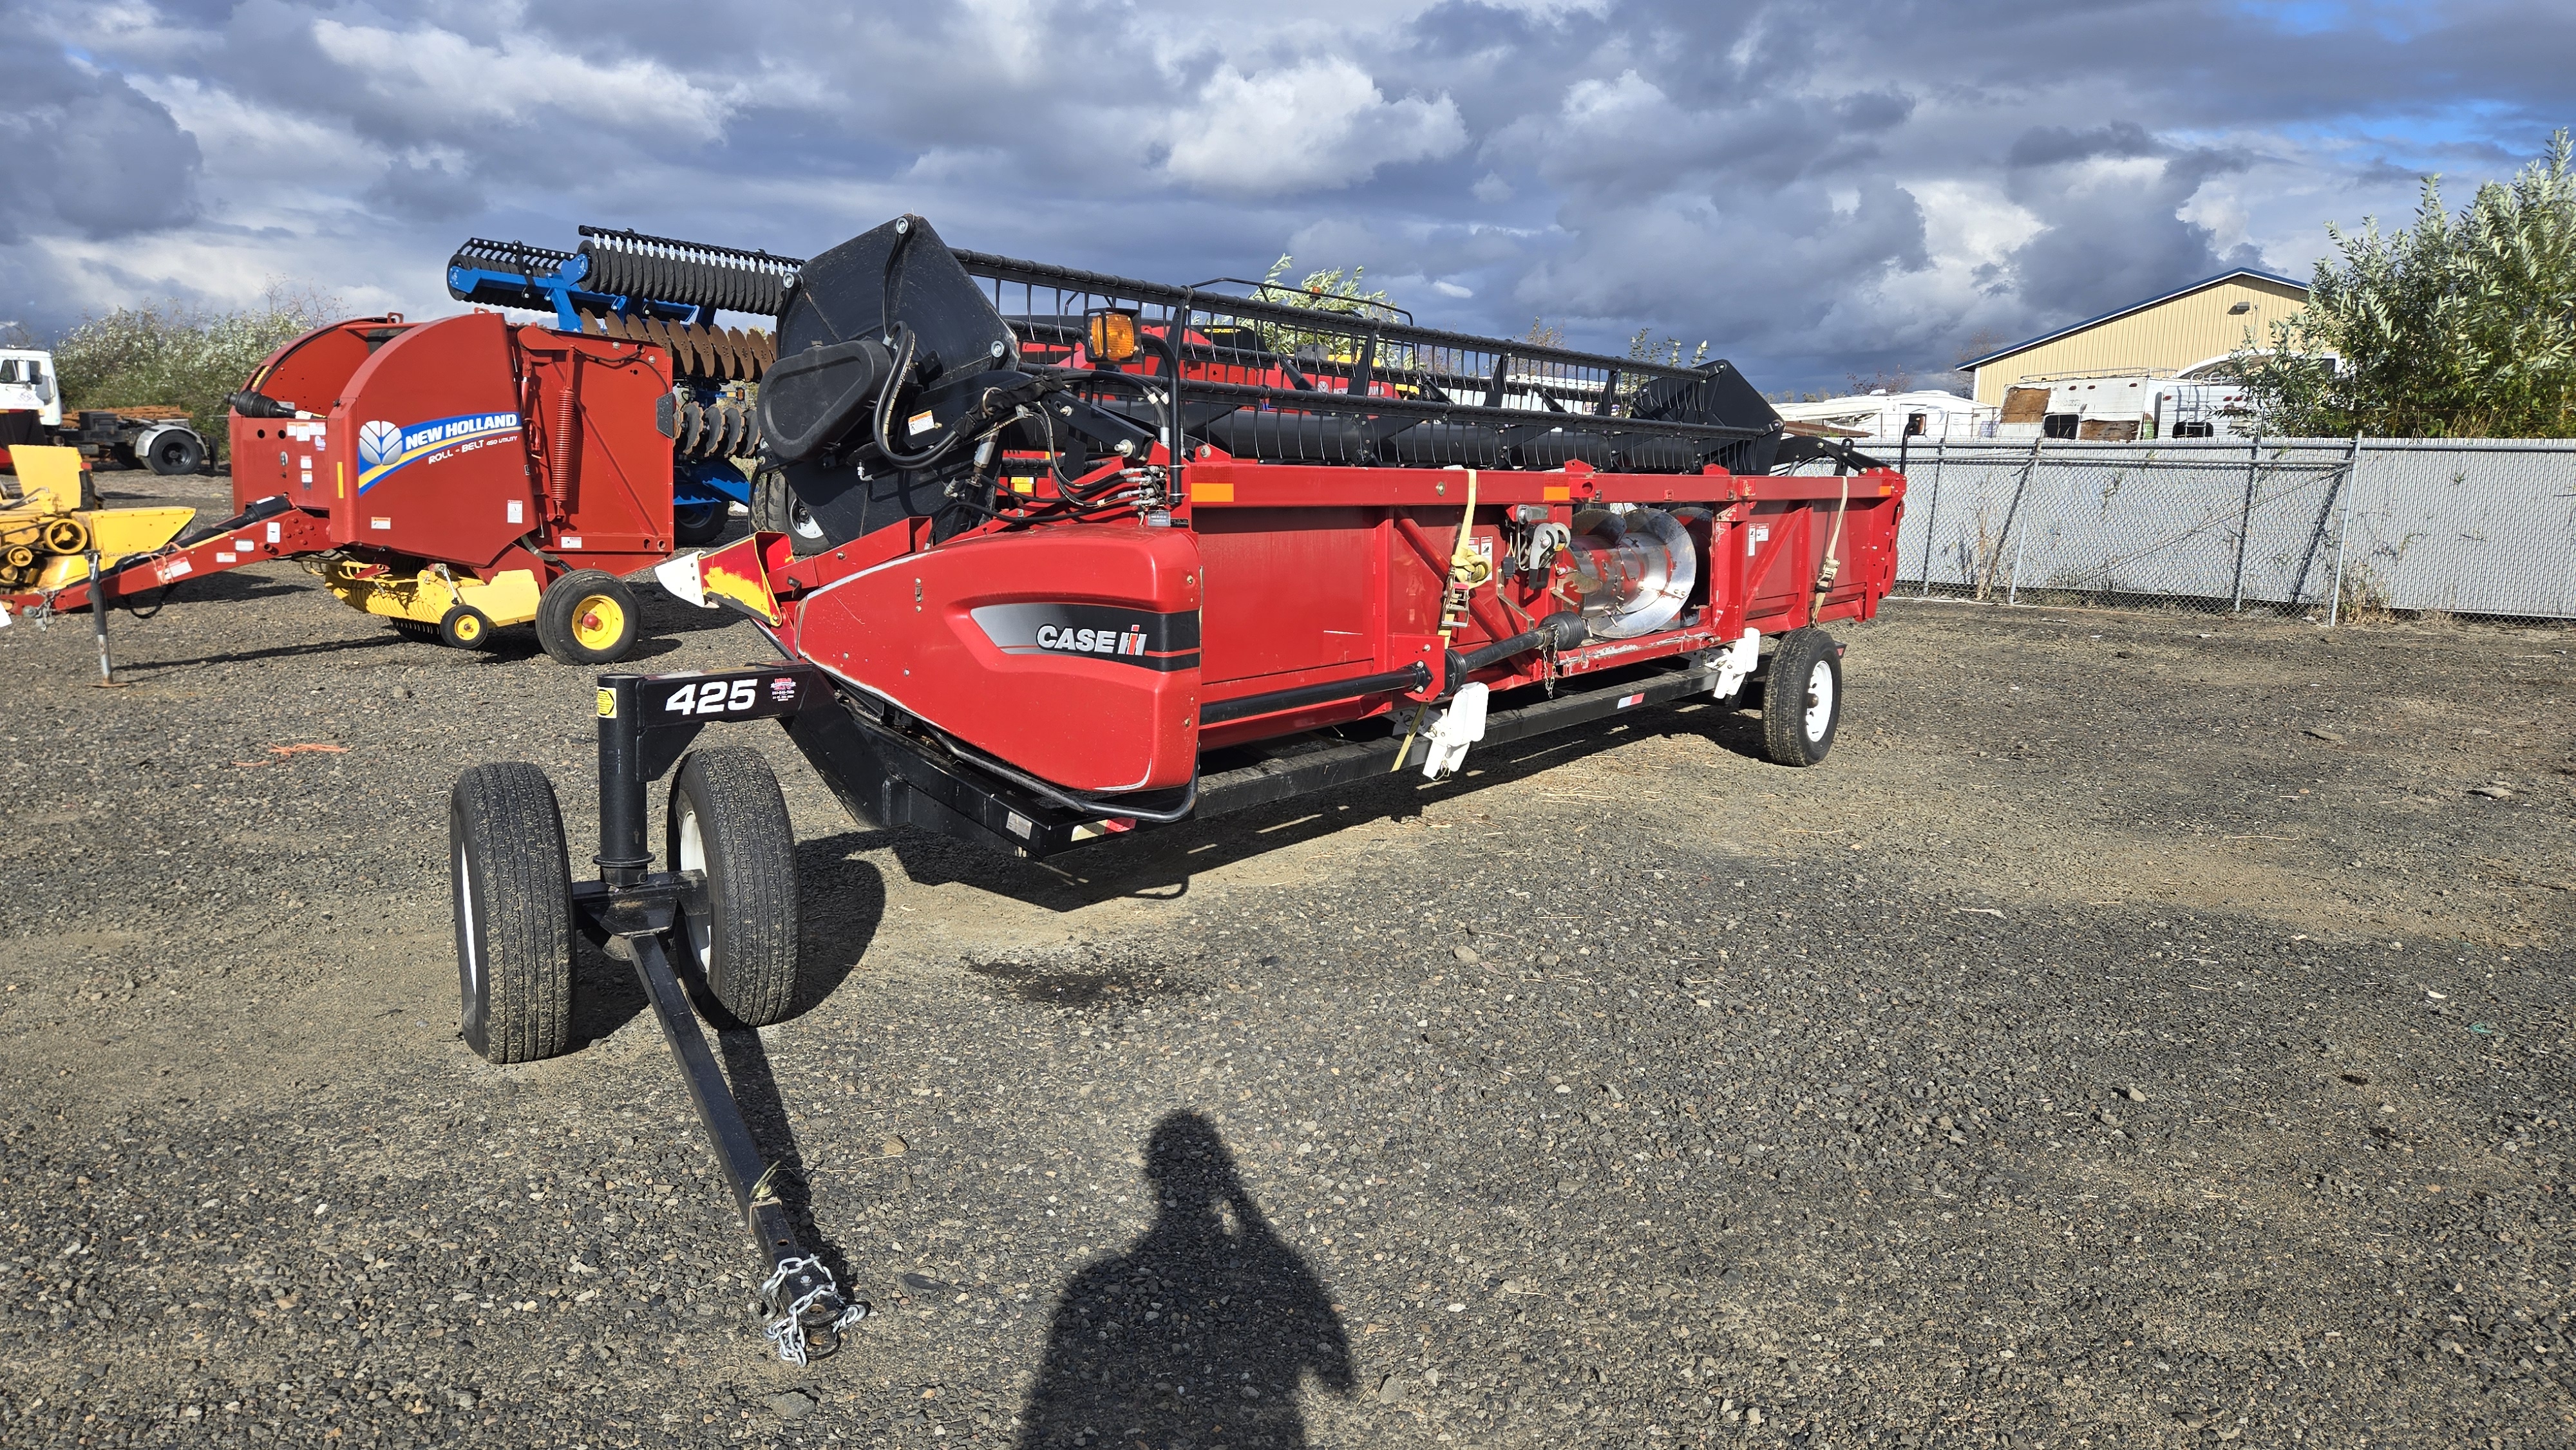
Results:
[787, 1332]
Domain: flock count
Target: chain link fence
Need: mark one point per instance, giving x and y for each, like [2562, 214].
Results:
[2334, 528]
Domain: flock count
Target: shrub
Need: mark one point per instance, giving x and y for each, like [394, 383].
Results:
[2460, 327]
[177, 355]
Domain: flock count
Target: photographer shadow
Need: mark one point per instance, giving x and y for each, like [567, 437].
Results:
[1201, 1333]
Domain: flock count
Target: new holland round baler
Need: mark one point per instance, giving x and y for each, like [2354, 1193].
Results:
[1051, 557]
[464, 474]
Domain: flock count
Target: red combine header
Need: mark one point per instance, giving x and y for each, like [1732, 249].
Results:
[1109, 541]
[1052, 557]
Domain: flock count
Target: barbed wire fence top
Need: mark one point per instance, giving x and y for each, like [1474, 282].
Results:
[2322, 526]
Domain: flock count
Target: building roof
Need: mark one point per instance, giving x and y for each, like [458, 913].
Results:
[2046, 337]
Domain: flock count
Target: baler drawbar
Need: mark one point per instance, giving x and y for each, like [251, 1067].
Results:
[1053, 557]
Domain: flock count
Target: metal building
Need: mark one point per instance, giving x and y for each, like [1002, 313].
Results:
[2162, 337]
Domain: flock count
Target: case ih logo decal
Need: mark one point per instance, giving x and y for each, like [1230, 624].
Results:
[1093, 641]
[385, 449]
[1138, 637]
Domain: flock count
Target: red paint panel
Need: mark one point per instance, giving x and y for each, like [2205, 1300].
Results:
[617, 464]
[269, 454]
[1287, 590]
[429, 436]
[1093, 720]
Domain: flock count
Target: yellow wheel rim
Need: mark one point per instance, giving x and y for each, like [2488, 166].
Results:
[469, 629]
[597, 622]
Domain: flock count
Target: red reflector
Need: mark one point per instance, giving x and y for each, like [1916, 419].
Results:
[1116, 824]
[1631, 700]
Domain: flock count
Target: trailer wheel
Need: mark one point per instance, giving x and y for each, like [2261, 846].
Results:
[696, 524]
[776, 509]
[175, 450]
[512, 894]
[587, 617]
[1802, 701]
[464, 627]
[729, 822]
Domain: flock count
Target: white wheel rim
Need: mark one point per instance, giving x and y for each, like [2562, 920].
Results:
[693, 857]
[1820, 699]
[472, 937]
[801, 522]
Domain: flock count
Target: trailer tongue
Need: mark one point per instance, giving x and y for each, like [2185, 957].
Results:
[1053, 557]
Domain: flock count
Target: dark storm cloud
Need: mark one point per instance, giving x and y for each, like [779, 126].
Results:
[1817, 190]
[86, 152]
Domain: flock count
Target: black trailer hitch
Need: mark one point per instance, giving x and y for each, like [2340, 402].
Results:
[630, 910]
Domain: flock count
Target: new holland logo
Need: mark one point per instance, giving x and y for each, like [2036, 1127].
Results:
[385, 449]
[1130, 641]
[378, 442]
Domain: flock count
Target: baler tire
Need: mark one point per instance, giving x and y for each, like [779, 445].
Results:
[510, 888]
[775, 509]
[729, 822]
[587, 617]
[464, 627]
[1802, 698]
[694, 525]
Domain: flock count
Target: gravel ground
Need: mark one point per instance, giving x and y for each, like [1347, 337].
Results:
[2145, 1030]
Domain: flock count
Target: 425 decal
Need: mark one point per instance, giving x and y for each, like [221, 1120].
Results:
[744, 696]
[713, 697]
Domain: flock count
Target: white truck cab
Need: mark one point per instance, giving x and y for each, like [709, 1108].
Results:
[27, 386]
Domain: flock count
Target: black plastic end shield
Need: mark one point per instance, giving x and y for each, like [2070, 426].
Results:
[841, 296]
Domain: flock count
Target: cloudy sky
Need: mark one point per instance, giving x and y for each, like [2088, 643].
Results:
[1820, 190]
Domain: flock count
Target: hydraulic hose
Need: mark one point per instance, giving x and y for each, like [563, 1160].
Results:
[1562, 630]
[1088, 805]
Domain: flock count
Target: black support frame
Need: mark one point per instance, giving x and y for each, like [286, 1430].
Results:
[630, 909]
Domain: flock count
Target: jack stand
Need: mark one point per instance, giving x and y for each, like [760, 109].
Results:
[98, 626]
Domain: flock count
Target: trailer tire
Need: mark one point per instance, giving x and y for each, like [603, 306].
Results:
[587, 617]
[1802, 699]
[174, 451]
[775, 509]
[728, 821]
[511, 892]
[464, 627]
[694, 525]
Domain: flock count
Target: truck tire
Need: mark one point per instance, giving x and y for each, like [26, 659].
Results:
[775, 509]
[1802, 700]
[169, 451]
[694, 525]
[728, 822]
[511, 890]
[587, 617]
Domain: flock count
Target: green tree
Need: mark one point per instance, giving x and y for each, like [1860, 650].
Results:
[1336, 290]
[2458, 327]
[178, 355]
[1668, 352]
